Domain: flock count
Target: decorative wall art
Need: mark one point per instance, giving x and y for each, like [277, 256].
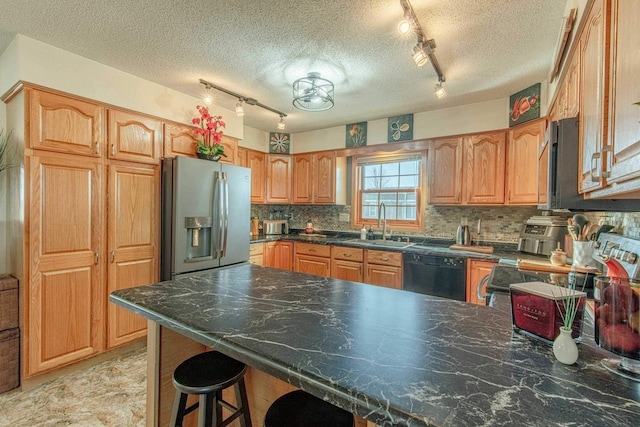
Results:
[524, 105]
[356, 135]
[400, 128]
[279, 143]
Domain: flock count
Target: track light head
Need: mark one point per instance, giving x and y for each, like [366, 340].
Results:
[419, 55]
[439, 90]
[281, 123]
[239, 108]
[404, 27]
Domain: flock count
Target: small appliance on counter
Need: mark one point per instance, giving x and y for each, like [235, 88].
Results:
[541, 235]
[275, 226]
[463, 235]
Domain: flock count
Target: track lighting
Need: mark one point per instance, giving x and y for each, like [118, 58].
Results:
[207, 98]
[241, 100]
[404, 27]
[281, 124]
[439, 90]
[239, 109]
[419, 55]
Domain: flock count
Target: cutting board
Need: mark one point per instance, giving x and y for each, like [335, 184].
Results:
[312, 235]
[546, 266]
[480, 249]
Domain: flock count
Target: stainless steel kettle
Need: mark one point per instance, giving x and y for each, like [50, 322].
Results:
[463, 235]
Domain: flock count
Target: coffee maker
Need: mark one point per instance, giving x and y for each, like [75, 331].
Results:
[541, 234]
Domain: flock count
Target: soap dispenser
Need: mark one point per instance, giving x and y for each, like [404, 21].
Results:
[370, 233]
[363, 233]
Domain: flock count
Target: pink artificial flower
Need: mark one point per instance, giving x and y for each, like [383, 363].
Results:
[195, 121]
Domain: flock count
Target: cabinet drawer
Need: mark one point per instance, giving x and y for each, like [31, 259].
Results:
[312, 249]
[384, 258]
[348, 254]
[256, 249]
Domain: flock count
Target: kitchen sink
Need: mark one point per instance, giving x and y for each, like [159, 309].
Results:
[387, 243]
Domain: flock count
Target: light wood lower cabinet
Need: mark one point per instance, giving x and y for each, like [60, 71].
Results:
[256, 253]
[476, 271]
[347, 263]
[312, 259]
[278, 255]
[133, 249]
[383, 268]
[65, 296]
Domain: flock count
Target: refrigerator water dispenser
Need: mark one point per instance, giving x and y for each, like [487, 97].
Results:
[198, 237]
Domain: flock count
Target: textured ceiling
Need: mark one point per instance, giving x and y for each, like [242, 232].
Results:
[487, 49]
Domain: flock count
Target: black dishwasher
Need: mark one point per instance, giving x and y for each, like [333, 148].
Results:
[437, 275]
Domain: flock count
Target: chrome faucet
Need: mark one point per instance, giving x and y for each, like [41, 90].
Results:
[382, 208]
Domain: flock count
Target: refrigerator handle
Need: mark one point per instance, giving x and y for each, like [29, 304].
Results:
[217, 204]
[226, 214]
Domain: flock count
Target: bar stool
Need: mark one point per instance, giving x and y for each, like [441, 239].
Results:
[300, 409]
[206, 375]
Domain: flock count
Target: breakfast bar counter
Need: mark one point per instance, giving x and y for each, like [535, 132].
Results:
[393, 358]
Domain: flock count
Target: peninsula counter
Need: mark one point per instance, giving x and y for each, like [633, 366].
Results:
[391, 357]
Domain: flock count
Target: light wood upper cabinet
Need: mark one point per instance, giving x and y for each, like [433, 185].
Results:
[133, 249]
[523, 148]
[594, 60]
[621, 162]
[324, 177]
[445, 171]
[279, 176]
[230, 149]
[319, 178]
[65, 296]
[256, 162]
[476, 271]
[485, 167]
[67, 125]
[179, 140]
[572, 86]
[241, 157]
[134, 137]
[303, 178]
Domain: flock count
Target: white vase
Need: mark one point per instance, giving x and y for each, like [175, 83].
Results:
[565, 348]
[583, 254]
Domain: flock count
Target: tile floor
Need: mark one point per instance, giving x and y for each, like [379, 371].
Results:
[111, 393]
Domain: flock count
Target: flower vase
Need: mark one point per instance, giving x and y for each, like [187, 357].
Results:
[207, 156]
[565, 348]
[583, 254]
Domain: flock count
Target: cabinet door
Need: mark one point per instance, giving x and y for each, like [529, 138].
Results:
[324, 177]
[573, 85]
[476, 271]
[485, 162]
[133, 250]
[241, 157]
[230, 149]
[256, 162]
[279, 255]
[58, 123]
[623, 162]
[65, 295]
[278, 178]
[445, 171]
[383, 275]
[134, 138]
[312, 265]
[594, 60]
[302, 178]
[543, 173]
[347, 270]
[522, 163]
[179, 141]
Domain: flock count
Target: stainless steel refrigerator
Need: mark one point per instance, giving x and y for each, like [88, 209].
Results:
[205, 215]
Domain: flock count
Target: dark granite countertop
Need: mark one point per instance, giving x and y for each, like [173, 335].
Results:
[392, 357]
[419, 245]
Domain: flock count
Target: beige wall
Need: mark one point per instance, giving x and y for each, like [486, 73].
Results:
[39, 63]
[255, 139]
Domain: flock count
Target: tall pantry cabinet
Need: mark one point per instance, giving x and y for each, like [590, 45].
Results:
[91, 212]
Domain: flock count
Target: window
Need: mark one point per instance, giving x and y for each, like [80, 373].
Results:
[395, 181]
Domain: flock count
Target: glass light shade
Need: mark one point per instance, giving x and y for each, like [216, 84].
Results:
[440, 92]
[419, 56]
[239, 109]
[404, 27]
[207, 99]
[281, 124]
[313, 93]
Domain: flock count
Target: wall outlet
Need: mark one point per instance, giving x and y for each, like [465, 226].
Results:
[343, 217]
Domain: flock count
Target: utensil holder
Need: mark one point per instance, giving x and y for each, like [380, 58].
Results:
[583, 254]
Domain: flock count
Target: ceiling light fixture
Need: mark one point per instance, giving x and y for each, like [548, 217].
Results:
[425, 48]
[281, 124]
[242, 99]
[313, 93]
[239, 108]
[207, 98]
[439, 90]
[404, 27]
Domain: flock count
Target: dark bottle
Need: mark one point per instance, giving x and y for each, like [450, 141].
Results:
[370, 233]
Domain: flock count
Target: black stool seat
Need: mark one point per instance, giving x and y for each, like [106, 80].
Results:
[207, 374]
[300, 409]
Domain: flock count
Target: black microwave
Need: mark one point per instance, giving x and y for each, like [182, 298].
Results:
[558, 171]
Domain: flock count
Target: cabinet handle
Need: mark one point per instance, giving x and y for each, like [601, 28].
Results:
[384, 258]
[113, 256]
[96, 258]
[312, 250]
[594, 167]
[113, 149]
[469, 196]
[97, 147]
[606, 173]
[252, 249]
[346, 255]
[458, 197]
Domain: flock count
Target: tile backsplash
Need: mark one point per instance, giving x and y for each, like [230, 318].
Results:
[499, 224]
